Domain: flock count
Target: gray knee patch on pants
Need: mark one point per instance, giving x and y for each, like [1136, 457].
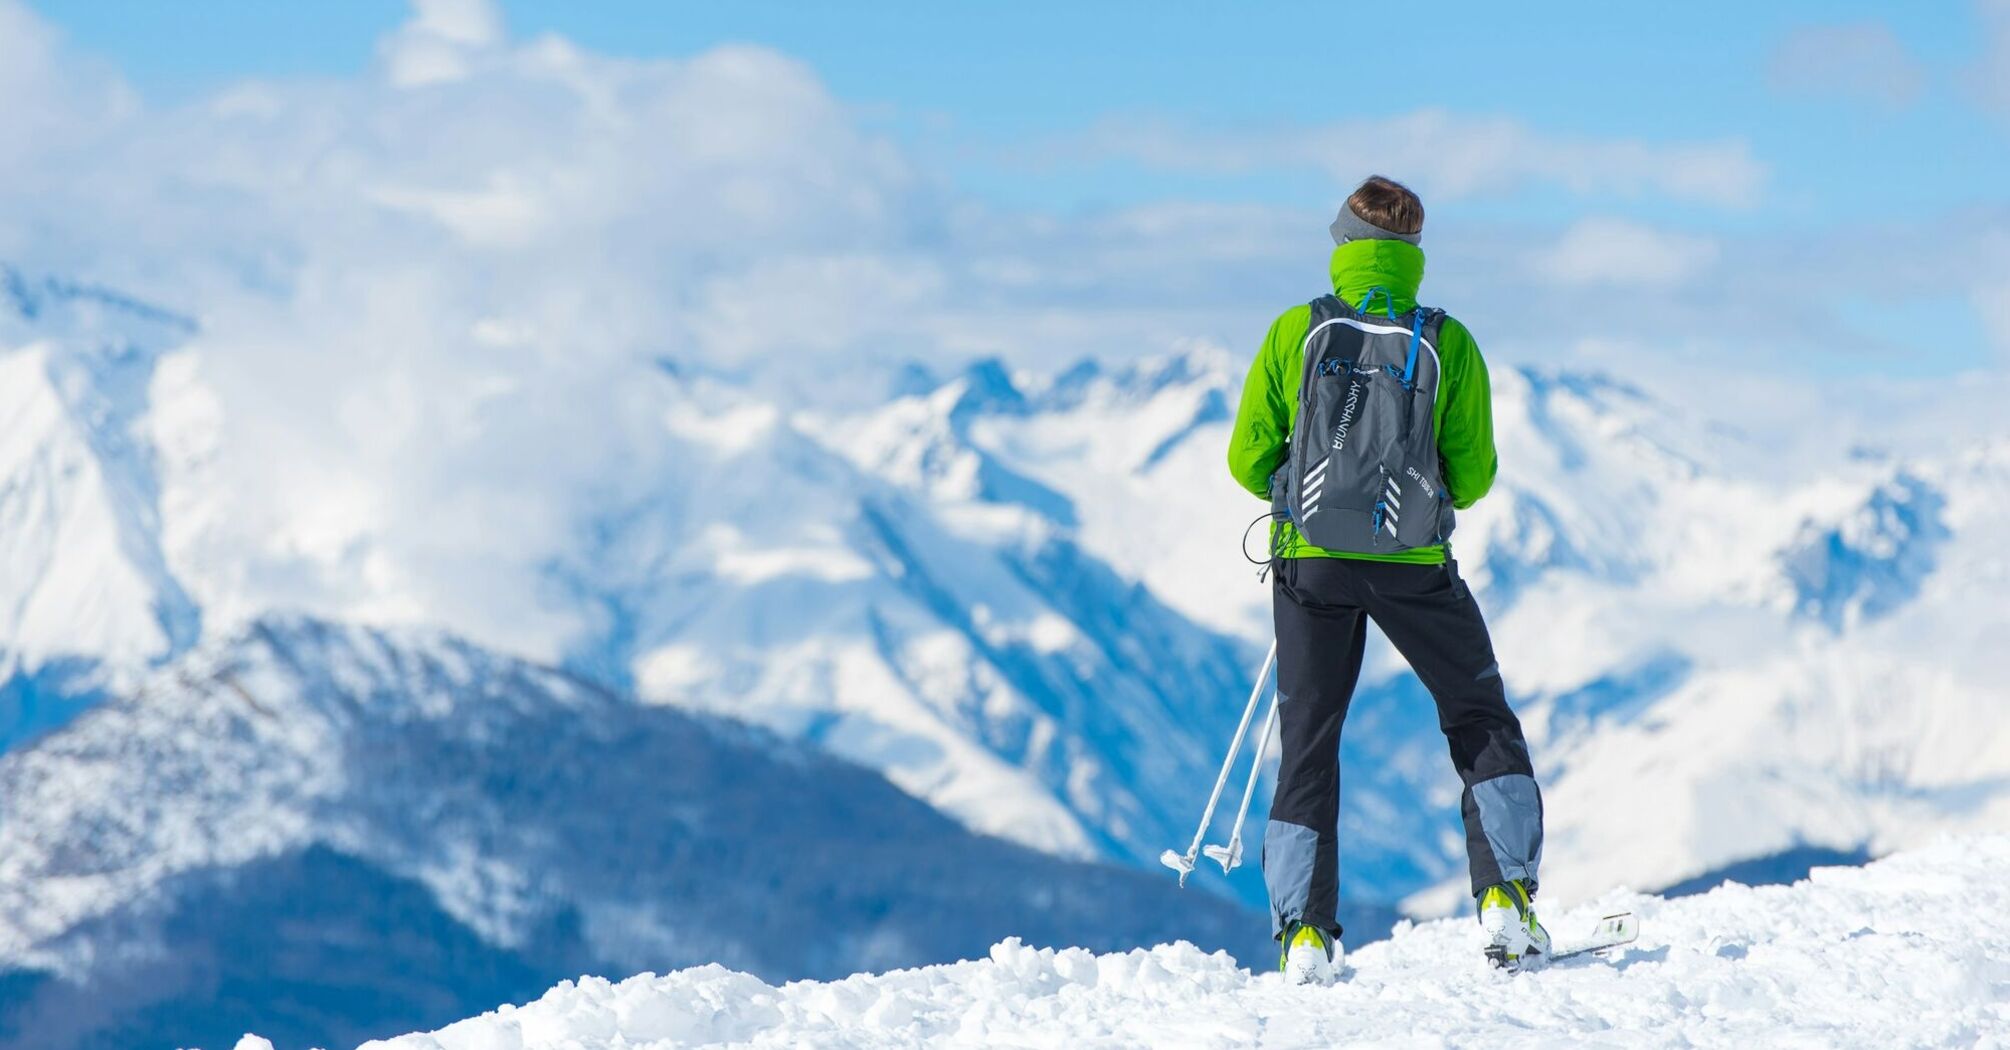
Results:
[1510, 811]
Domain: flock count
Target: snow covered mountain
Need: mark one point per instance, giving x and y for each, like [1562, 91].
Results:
[1715, 662]
[988, 666]
[85, 590]
[332, 832]
[1887, 955]
[1018, 595]
[973, 652]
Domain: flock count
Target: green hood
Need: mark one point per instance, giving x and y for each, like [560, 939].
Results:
[1395, 266]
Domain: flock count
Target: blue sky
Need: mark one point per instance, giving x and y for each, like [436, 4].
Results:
[1815, 128]
[967, 81]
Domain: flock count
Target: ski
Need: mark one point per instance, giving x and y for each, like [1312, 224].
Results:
[1611, 932]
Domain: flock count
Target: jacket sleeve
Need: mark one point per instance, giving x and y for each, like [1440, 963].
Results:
[1466, 417]
[1263, 419]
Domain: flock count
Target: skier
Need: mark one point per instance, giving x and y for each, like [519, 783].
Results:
[1366, 419]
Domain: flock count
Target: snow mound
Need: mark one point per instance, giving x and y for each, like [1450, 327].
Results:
[1884, 955]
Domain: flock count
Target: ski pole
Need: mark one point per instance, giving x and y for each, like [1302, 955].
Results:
[1183, 863]
[1231, 856]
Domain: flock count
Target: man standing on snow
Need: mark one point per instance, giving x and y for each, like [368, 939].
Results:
[1366, 419]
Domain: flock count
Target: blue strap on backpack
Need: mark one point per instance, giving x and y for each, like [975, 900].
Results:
[1388, 301]
[1416, 337]
[1409, 376]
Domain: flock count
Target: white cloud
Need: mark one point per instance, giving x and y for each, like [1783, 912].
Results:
[1444, 154]
[441, 42]
[49, 100]
[474, 23]
[1610, 251]
[432, 299]
[1993, 305]
[1991, 293]
[433, 306]
[27, 51]
[1992, 74]
[818, 305]
[1862, 61]
[502, 213]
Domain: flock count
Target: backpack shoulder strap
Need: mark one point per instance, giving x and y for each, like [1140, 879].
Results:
[1324, 309]
[1434, 322]
[1425, 322]
[1430, 330]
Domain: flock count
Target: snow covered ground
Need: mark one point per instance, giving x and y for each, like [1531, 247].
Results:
[1906, 952]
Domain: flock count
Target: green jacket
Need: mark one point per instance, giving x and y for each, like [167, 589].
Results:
[1463, 415]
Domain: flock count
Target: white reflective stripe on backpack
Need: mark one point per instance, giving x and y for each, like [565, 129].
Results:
[1437, 366]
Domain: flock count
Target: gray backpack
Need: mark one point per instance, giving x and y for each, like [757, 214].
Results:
[1362, 471]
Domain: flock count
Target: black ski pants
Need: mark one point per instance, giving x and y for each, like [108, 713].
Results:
[1322, 607]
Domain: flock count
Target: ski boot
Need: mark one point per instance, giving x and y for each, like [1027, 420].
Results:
[1310, 956]
[1515, 940]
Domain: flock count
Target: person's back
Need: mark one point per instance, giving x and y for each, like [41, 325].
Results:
[1375, 476]
[1375, 270]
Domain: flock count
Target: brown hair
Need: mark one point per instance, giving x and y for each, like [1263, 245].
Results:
[1388, 204]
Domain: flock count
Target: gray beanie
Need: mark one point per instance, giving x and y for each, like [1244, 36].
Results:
[1351, 227]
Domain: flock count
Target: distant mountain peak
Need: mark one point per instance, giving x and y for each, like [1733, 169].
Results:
[1872, 560]
[1200, 367]
[70, 306]
[82, 573]
[987, 386]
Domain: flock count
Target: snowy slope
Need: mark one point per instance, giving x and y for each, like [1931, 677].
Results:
[1873, 721]
[1714, 663]
[83, 579]
[977, 656]
[1890, 955]
[411, 825]
[1764, 662]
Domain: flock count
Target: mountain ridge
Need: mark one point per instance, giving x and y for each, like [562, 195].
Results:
[539, 823]
[1014, 593]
